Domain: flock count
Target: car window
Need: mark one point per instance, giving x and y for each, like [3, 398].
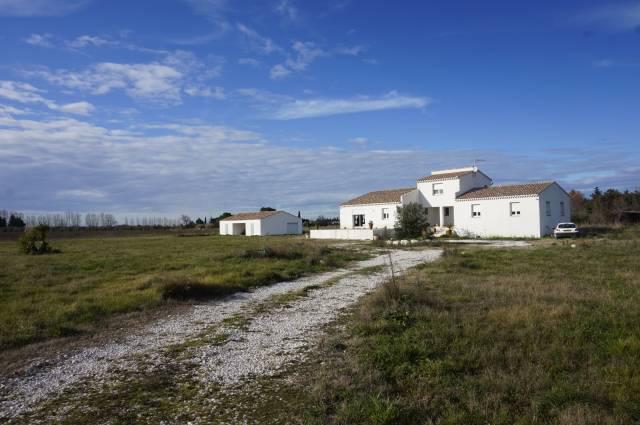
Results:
[567, 226]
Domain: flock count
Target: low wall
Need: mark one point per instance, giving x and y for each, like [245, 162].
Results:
[351, 234]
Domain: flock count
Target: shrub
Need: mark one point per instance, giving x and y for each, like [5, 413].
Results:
[411, 221]
[185, 288]
[34, 241]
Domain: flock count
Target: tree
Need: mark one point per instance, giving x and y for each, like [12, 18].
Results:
[411, 221]
[3, 222]
[267, 209]
[199, 221]
[16, 221]
[299, 216]
[185, 220]
[34, 241]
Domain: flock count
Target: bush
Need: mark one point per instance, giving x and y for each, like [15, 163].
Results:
[34, 241]
[185, 288]
[411, 221]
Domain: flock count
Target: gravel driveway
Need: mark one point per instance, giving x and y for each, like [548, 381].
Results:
[271, 336]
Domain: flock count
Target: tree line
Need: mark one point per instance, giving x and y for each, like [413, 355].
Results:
[608, 207]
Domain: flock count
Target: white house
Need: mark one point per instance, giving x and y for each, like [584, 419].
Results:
[261, 223]
[466, 200]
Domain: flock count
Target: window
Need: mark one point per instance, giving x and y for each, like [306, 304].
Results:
[438, 188]
[358, 220]
[475, 210]
[514, 209]
[446, 211]
[562, 209]
[426, 211]
[548, 208]
[385, 213]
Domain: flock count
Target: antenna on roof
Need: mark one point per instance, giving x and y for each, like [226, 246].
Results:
[475, 163]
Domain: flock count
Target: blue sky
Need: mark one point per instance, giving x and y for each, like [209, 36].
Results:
[203, 106]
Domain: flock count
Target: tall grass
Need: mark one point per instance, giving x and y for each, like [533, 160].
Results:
[544, 335]
[94, 279]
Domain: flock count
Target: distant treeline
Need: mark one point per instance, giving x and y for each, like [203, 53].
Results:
[608, 207]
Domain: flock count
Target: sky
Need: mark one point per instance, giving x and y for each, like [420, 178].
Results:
[168, 107]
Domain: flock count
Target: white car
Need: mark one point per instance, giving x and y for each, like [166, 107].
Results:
[566, 230]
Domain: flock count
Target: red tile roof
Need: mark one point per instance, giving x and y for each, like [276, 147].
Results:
[445, 176]
[379, 197]
[251, 215]
[505, 191]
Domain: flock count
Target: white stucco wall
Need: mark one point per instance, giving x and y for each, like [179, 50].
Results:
[277, 224]
[372, 212]
[554, 194]
[273, 225]
[452, 188]
[496, 219]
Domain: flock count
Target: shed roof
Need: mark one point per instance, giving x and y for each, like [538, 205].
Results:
[380, 197]
[506, 191]
[251, 215]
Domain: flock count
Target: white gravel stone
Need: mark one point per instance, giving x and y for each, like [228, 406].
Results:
[271, 340]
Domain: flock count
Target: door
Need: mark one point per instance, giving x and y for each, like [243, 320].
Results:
[292, 228]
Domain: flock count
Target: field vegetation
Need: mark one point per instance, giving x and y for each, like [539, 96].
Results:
[548, 334]
[93, 279]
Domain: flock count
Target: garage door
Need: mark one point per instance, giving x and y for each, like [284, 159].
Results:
[292, 228]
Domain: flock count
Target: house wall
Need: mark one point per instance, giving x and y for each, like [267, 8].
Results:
[226, 227]
[277, 224]
[452, 188]
[496, 219]
[554, 194]
[412, 197]
[372, 212]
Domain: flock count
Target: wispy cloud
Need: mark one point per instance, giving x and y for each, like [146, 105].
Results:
[26, 93]
[603, 63]
[311, 108]
[40, 7]
[257, 42]
[248, 61]
[159, 81]
[304, 54]
[613, 17]
[41, 40]
[89, 40]
[287, 9]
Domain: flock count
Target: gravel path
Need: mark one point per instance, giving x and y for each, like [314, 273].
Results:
[271, 340]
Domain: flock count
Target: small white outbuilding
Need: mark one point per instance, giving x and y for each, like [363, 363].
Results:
[261, 223]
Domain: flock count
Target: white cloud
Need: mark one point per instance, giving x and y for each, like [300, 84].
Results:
[614, 17]
[90, 167]
[305, 53]
[78, 108]
[158, 81]
[82, 194]
[89, 40]
[287, 9]
[309, 108]
[279, 71]
[214, 93]
[26, 93]
[39, 7]
[360, 141]
[264, 45]
[41, 40]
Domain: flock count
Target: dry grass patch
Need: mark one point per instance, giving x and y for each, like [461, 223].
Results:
[542, 335]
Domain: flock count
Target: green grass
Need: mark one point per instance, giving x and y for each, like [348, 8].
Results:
[544, 335]
[93, 279]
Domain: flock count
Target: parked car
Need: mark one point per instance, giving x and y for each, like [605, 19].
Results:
[566, 230]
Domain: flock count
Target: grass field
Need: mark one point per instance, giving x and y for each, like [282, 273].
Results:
[93, 279]
[544, 335]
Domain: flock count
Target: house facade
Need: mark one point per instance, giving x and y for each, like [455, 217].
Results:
[466, 200]
[261, 223]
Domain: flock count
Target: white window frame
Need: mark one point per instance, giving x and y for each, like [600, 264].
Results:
[385, 213]
[548, 208]
[437, 189]
[514, 208]
[561, 208]
[475, 211]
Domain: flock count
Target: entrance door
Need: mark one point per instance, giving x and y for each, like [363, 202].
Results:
[358, 220]
[292, 228]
